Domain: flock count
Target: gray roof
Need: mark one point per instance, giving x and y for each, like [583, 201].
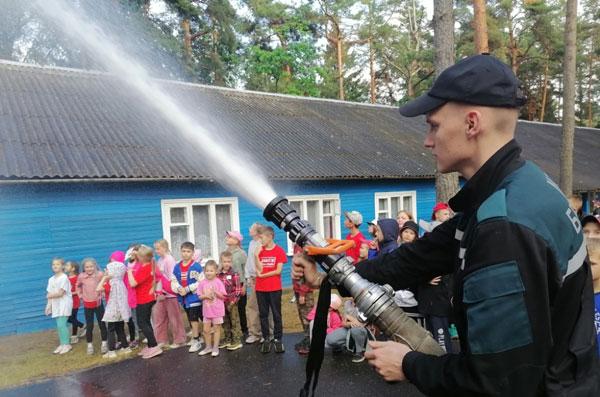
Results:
[61, 123]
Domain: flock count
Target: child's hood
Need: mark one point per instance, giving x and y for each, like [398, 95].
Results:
[390, 229]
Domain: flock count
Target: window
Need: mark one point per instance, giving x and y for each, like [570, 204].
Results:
[201, 221]
[387, 205]
[321, 211]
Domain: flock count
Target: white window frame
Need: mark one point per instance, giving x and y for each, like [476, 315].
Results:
[320, 227]
[389, 195]
[166, 205]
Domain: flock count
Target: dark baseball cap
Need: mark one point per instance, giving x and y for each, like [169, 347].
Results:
[477, 80]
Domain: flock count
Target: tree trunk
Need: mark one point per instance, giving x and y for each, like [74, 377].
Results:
[544, 91]
[590, 118]
[568, 128]
[340, 64]
[480, 26]
[187, 43]
[446, 185]
[372, 87]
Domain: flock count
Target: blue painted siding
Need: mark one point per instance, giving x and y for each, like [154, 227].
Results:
[39, 221]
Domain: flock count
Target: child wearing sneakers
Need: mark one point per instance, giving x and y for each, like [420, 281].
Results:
[59, 303]
[269, 260]
[304, 304]
[144, 282]
[231, 323]
[87, 282]
[117, 308]
[186, 275]
[72, 269]
[212, 292]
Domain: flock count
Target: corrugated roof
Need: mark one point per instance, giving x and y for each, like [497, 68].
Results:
[62, 123]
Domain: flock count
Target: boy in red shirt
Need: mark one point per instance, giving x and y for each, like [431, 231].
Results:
[352, 223]
[143, 280]
[269, 260]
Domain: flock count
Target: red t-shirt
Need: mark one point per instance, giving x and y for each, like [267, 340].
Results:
[184, 272]
[269, 259]
[144, 279]
[354, 253]
[73, 281]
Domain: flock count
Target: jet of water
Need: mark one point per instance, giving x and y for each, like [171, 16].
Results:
[241, 176]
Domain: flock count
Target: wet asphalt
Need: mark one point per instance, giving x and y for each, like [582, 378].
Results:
[245, 372]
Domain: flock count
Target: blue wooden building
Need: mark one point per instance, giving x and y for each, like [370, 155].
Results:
[86, 169]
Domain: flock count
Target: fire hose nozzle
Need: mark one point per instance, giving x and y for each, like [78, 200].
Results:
[374, 301]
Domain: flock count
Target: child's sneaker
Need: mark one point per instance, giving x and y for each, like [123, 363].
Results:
[215, 352]
[104, 347]
[176, 345]
[125, 350]
[161, 345]
[145, 341]
[196, 345]
[134, 344]
[74, 339]
[58, 349]
[81, 332]
[90, 349]
[265, 347]
[152, 352]
[278, 346]
[110, 354]
[234, 346]
[224, 344]
[65, 349]
[143, 351]
[205, 351]
[252, 339]
[358, 357]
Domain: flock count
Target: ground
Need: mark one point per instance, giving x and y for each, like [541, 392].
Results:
[28, 357]
[29, 369]
[244, 372]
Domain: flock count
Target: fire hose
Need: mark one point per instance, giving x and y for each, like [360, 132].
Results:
[374, 301]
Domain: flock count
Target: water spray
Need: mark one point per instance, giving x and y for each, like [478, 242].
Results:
[374, 301]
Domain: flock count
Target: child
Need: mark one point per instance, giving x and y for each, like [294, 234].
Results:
[87, 282]
[373, 244]
[186, 275]
[233, 240]
[166, 312]
[304, 303]
[132, 263]
[363, 252]
[117, 308]
[387, 235]
[593, 247]
[233, 286]
[143, 280]
[409, 232]
[351, 334]
[352, 222]
[72, 269]
[269, 260]
[60, 304]
[212, 293]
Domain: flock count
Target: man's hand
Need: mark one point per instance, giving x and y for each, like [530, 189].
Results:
[387, 358]
[436, 280]
[302, 267]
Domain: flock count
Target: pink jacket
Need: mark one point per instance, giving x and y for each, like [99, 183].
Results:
[86, 286]
[131, 298]
[334, 319]
[165, 265]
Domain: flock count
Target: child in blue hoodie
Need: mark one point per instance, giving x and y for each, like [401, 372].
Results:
[186, 276]
[387, 235]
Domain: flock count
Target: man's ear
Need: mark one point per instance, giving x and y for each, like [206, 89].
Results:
[473, 122]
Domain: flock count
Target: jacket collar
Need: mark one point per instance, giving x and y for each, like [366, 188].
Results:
[487, 179]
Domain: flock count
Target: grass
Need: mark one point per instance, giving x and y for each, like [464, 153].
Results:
[28, 357]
